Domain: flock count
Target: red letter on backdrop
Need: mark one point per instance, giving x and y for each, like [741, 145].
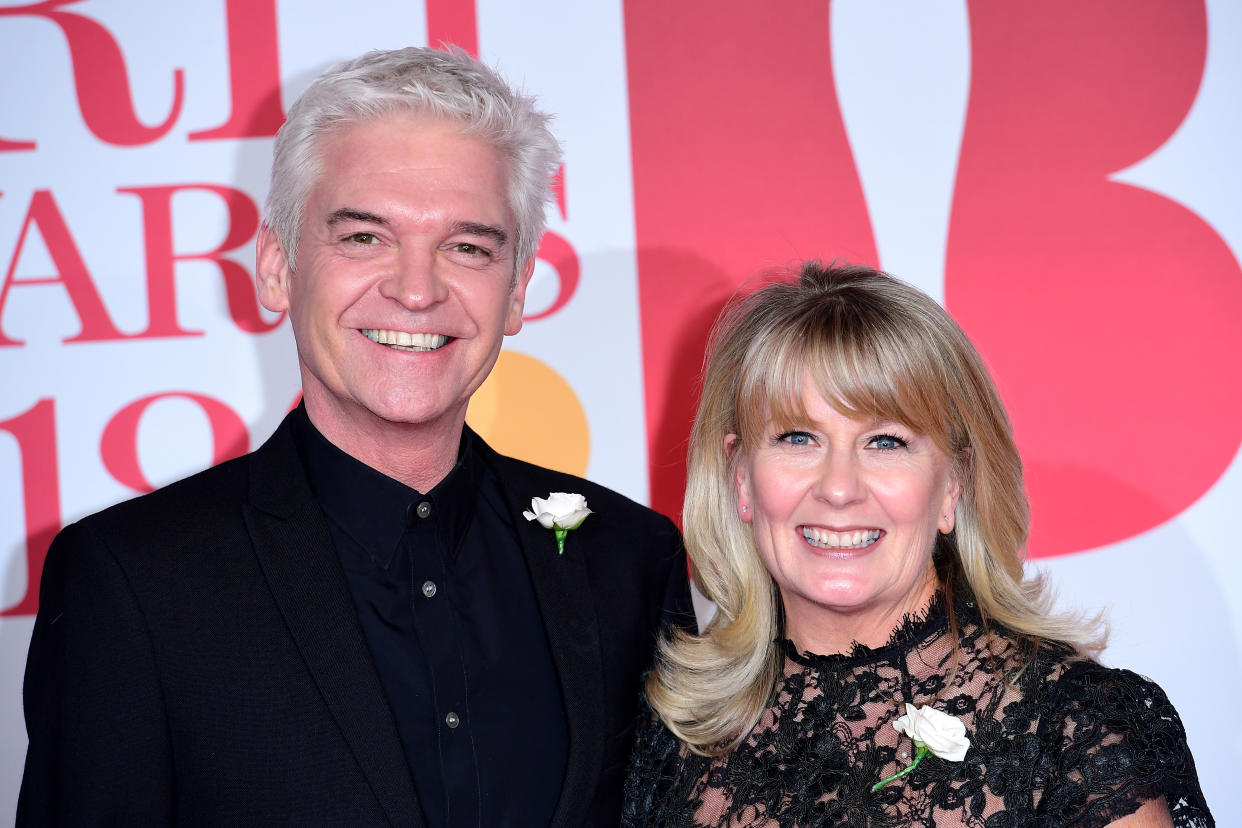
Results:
[736, 169]
[35, 431]
[1109, 313]
[101, 78]
[161, 289]
[10, 146]
[453, 22]
[119, 445]
[71, 272]
[254, 73]
[558, 252]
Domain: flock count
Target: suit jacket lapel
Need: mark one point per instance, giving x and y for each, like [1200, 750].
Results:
[297, 556]
[563, 591]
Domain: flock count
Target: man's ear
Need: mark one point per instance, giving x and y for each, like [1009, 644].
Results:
[272, 271]
[517, 298]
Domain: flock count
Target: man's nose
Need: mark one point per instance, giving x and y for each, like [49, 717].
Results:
[415, 281]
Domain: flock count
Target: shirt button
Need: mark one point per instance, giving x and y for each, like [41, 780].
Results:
[451, 719]
[429, 589]
[423, 509]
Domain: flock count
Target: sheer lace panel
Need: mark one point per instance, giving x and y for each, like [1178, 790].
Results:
[1060, 741]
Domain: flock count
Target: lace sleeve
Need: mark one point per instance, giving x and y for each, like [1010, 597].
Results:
[1116, 742]
[655, 755]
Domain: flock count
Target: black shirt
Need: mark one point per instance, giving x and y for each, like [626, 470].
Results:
[448, 610]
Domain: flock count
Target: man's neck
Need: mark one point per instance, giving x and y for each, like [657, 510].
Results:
[419, 455]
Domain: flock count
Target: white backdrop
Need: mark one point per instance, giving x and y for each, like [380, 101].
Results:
[171, 372]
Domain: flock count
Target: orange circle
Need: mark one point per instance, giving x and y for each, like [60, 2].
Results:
[527, 410]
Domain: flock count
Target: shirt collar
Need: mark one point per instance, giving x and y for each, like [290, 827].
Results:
[375, 509]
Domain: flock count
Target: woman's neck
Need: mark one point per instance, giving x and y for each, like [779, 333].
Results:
[817, 629]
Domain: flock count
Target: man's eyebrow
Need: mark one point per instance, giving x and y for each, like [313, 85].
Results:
[349, 214]
[474, 228]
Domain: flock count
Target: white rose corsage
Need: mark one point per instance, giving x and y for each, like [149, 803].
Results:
[560, 512]
[933, 732]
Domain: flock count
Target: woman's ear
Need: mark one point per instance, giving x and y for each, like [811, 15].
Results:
[953, 492]
[741, 477]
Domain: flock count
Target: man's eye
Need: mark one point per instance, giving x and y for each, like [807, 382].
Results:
[887, 441]
[471, 249]
[363, 238]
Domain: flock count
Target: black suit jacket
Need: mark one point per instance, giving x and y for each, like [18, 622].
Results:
[197, 658]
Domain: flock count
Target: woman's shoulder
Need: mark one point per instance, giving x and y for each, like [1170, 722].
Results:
[1123, 728]
[1086, 680]
[1089, 700]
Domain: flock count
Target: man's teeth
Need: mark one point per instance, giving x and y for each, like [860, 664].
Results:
[406, 341]
[824, 539]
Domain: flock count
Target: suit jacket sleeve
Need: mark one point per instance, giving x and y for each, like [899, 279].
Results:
[678, 605]
[99, 750]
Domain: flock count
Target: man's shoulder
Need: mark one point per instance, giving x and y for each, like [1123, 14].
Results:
[208, 494]
[603, 501]
[208, 503]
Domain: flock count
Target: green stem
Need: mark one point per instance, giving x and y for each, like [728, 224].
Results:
[560, 540]
[922, 751]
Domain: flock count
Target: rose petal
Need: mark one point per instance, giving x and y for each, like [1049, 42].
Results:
[573, 520]
[562, 503]
[944, 735]
[561, 511]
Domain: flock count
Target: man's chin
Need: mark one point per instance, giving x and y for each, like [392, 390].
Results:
[415, 414]
[367, 413]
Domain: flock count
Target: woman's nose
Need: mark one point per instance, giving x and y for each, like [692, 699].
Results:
[840, 478]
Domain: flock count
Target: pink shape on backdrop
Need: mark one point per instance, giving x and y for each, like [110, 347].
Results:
[1105, 311]
[736, 168]
[1108, 313]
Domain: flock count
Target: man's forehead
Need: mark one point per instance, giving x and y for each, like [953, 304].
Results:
[410, 124]
[397, 143]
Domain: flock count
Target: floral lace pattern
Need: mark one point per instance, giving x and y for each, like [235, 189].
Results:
[1062, 742]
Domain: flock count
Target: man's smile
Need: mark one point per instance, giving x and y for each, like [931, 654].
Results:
[406, 341]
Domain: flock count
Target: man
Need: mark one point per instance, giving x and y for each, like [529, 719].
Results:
[354, 624]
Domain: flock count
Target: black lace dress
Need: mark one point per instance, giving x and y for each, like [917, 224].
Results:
[1063, 742]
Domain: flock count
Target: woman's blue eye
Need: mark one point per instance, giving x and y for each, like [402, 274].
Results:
[797, 438]
[887, 441]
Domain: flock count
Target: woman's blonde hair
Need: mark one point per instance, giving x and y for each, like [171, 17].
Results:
[877, 348]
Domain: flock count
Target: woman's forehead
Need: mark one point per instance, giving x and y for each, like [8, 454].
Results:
[788, 405]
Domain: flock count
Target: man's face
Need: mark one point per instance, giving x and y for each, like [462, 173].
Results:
[403, 288]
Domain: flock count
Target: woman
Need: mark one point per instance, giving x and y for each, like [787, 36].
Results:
[855, 509]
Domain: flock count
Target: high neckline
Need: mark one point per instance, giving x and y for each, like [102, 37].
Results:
[375, 509]
[913, 630]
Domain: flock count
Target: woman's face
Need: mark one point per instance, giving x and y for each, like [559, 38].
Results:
[845, 515]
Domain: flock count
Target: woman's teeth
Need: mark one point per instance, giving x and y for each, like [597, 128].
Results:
[406, 341]
[824, 539]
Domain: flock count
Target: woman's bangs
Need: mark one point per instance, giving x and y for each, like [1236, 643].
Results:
[865, 381]
[859, 365]
[770, 391]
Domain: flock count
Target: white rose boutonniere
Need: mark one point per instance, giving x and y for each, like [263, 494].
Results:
[560, 512]
[933, 732]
